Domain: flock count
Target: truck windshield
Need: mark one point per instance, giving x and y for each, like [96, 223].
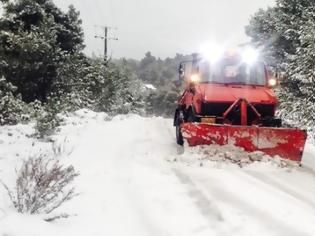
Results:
[229, 72]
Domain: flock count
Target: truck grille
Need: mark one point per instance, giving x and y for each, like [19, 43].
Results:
[214, 109]
[217, 109]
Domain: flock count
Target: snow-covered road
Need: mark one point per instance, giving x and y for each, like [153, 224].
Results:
[135, 181]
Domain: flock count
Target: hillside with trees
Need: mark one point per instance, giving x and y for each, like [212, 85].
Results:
[161, 97]
[44, 71]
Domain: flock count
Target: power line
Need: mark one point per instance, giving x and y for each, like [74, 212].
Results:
[105, 38]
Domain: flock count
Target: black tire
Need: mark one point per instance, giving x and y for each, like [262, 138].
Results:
[179, 135]
[191, 116]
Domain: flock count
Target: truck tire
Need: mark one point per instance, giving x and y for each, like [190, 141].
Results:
[191, 116]
[179, 135]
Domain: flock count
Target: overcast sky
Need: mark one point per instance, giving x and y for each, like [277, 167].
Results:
[164, 27]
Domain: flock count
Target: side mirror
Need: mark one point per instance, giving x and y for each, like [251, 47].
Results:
[181, 71]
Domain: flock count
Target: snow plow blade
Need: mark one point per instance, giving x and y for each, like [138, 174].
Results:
[288, 143]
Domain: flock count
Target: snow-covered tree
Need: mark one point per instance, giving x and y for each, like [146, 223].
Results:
[90, 83]
[114, 89]
[35, 37]
[286, 34]
[160, 75]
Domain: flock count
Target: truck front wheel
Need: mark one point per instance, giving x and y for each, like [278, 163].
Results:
[179, 135]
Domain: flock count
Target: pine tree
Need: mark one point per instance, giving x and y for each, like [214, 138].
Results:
[161, 74]
[114, 89]
[35, 38]
[286, 35]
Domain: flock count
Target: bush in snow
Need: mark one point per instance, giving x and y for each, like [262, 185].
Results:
[42, 185]
[11, 107]
[46, 123]
[162, 102]
[46, 116]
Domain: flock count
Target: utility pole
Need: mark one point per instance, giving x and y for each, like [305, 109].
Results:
[106, 38]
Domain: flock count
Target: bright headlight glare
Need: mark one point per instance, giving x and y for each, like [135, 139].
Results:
[195, 78]
[212, 52]
[272, 82]
[250, 55]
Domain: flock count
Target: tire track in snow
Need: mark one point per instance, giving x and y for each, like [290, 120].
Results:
[281, 187]
[308, 159]
[206, 206]
[110, 159]
[234, 201]
[204, 203]
[236, 205]
[147, 204]
[124, 164]
[267, 180]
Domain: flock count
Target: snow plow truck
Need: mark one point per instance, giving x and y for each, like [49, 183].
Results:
[229, 99]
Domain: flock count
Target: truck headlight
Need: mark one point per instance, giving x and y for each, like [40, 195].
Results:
[195, 78]
[272, 82]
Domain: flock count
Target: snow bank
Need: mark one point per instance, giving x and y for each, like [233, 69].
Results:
[230, 155]
[136, 181]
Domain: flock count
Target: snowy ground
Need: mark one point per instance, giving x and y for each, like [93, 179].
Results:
[135, 181]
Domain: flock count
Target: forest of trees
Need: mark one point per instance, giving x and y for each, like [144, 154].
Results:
[162, 74]
[43, 70]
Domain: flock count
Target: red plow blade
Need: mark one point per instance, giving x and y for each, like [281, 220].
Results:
[287, 143]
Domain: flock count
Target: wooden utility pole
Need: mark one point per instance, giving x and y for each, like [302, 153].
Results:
[106, 38]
